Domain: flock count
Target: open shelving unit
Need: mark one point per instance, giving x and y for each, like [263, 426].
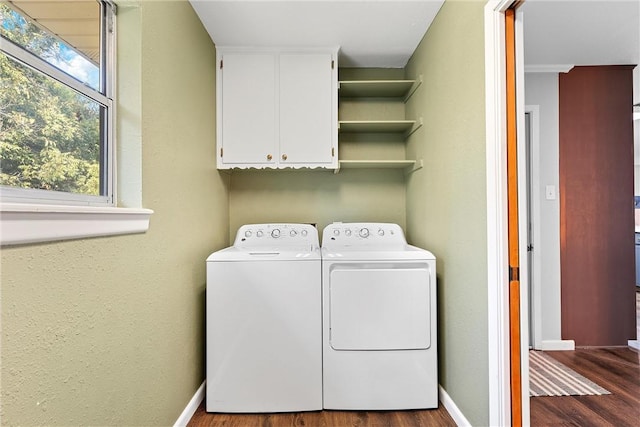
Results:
[394, 89]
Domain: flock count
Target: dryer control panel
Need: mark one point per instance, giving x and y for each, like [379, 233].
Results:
[363, 235]
[277, 235]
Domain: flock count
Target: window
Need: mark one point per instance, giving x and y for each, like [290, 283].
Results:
[56, 102]
[57, 123]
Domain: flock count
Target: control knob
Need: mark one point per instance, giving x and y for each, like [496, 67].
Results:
[275, 233]
[304, 233]
[364, 233]
[259, 233]
[381, 232]
[247, 233]
[293, 233]
[336, 232]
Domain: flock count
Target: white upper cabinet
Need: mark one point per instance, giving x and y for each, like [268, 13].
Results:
[277, 108]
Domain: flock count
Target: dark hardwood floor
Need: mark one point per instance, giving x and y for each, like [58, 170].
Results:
[616, 369]
[424, 418]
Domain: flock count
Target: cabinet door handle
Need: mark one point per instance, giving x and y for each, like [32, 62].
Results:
[284, 157]
[269, 157]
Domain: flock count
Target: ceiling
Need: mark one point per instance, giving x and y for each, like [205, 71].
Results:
[370, 33]
[385, 33]
[581, 32]
[77, 22]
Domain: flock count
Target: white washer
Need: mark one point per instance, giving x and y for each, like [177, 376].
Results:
[264, 345]
[379, 319]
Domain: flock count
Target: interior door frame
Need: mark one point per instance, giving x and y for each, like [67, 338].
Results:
[497, 235]
[535, 302]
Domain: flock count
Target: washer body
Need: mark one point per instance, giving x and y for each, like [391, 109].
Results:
[379, 319]
[264, 321]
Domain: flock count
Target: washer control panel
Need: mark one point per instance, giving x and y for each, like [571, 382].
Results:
[277, 235]
[362, 234]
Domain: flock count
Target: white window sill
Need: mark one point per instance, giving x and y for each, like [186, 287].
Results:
[26, 223]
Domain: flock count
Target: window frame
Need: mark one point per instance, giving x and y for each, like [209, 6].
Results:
[103, 96]
[33, 215]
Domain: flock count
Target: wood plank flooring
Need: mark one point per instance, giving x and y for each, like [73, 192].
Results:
[422, 418]
[616, 369]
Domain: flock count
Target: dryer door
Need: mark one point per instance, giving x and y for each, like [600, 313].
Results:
[380, 308]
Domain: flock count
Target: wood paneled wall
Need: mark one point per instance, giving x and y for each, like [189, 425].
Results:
[596, 206]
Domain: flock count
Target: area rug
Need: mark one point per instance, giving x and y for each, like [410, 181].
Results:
[548, 377]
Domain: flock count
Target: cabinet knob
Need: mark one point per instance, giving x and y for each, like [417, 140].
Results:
[284, 157]
[269, 157]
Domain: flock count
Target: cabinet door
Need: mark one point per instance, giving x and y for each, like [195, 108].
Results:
[306, 111]
[248, 110]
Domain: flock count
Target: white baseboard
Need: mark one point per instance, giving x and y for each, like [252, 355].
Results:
[452, 408]
[634, 344]
[191, 407]
[198, 397]
[558, 345]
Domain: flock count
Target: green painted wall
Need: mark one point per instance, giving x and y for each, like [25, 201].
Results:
[109, 331]
[446, 200]
[320, 196]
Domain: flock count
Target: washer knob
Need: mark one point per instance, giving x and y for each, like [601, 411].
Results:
[364, 233]
[347, 232]
[381, 232]
[293, 233]
[275, 233]
[259, 233]
[336, 232]
[247, 233]
[304, 233]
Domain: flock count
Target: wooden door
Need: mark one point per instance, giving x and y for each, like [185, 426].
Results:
[596, 206]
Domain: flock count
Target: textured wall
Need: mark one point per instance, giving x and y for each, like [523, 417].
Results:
[316, 197]
[109, 331]
[446, 200]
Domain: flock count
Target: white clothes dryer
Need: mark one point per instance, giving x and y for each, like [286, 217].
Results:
[264, 345]
[379, 319]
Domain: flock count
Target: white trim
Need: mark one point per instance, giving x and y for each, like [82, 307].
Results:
[497, 280]
[452, 408]
[634, 344]
[191, 407]
[557, 345]
[548, 68]
[535, 304]
[31, 223]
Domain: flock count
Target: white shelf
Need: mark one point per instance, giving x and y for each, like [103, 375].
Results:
[378, 88]
[406, 127]
[408, 165]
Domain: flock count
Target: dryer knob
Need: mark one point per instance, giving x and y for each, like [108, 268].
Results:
[304, 233]
[275, 233]
[381, 232]
[364, 232]
[347, 232]
[293, 233]
[259, 234]
[247, 233]
[336, 232]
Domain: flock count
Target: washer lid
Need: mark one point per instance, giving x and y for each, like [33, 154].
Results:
[266, 254]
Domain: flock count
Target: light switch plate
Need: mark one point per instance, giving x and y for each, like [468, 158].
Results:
[550, 192]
